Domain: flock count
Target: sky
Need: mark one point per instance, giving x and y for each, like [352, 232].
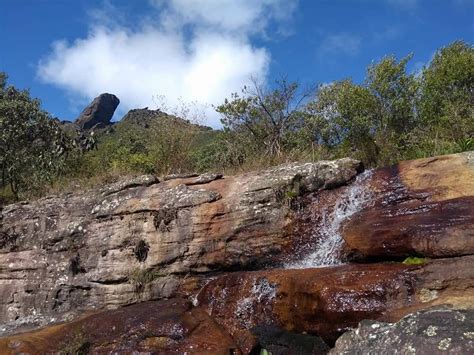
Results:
[66, 52]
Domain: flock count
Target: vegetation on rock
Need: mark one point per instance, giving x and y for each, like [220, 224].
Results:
[393, 115]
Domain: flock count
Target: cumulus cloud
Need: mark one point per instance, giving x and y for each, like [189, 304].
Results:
[199, 50]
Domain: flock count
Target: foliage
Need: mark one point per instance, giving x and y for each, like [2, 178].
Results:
[414, 260]
[264, 121]
[392, 115]
[140, 278]
[33, 147]
[446, 103]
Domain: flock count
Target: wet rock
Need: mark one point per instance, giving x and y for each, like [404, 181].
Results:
[433, 331]
[171, 326]
[422, 207]
[329, 301]
[62, 255]
[99, 112]
[280, 342]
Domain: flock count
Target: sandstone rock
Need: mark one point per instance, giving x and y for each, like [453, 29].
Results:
[422, 207]
[328, 301]
[99, 112]
[433, 331]
[248, 311]
[164, 327]
[139, 239]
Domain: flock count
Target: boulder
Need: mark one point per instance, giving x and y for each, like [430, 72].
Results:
[422, 207]
[99, 112]
[142, 239]
[433, 331]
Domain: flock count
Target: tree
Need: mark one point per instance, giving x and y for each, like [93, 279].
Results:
[266, 118]
[32, 144]
[447, 100]
[347, 118]
[369, 121]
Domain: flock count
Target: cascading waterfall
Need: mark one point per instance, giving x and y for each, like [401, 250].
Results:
[326, 249]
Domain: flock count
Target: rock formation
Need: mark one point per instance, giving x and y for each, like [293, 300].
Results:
[136, 240]
[99, 112]
[236, 257]
[435, 331]
[422, 207]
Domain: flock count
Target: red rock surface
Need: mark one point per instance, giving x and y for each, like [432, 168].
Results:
[161, 327]
[422, 207]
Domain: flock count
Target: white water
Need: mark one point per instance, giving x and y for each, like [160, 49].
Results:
[328, 240]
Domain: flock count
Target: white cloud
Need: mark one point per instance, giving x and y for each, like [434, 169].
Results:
[197, 50]
[342, 43]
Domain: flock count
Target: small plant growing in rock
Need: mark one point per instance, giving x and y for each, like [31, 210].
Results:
[141, 250]
[414, 260]
[140, 278]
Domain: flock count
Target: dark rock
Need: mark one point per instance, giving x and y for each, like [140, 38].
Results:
[280, 342]
[433, 331]
[99, 112]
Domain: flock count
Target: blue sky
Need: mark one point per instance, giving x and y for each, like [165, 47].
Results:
[67, 52]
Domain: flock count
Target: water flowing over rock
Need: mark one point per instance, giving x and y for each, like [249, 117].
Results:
[422, 207]
[269, 260]
[328, 301]
[323, 239]
[136, 240]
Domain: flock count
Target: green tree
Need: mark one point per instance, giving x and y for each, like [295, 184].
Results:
[369, 121]
[447, 96]
[264, 120]
[346, 116]
[32, 145]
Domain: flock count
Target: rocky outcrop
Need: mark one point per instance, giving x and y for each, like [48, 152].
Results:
[99, 112]
[434, 331]
[143, 239]
[236, 257]
[328, 301]
[271, 310]
[422, 207]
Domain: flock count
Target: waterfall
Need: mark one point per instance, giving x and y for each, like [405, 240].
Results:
[328, 240]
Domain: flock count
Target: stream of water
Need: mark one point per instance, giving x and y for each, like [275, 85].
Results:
[328, 240]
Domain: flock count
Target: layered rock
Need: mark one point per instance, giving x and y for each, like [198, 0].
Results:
[422, 207]
[328, 301]
[143, 239]
[164, 327]
[99, 112]
[248, 311]
[199, 239]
